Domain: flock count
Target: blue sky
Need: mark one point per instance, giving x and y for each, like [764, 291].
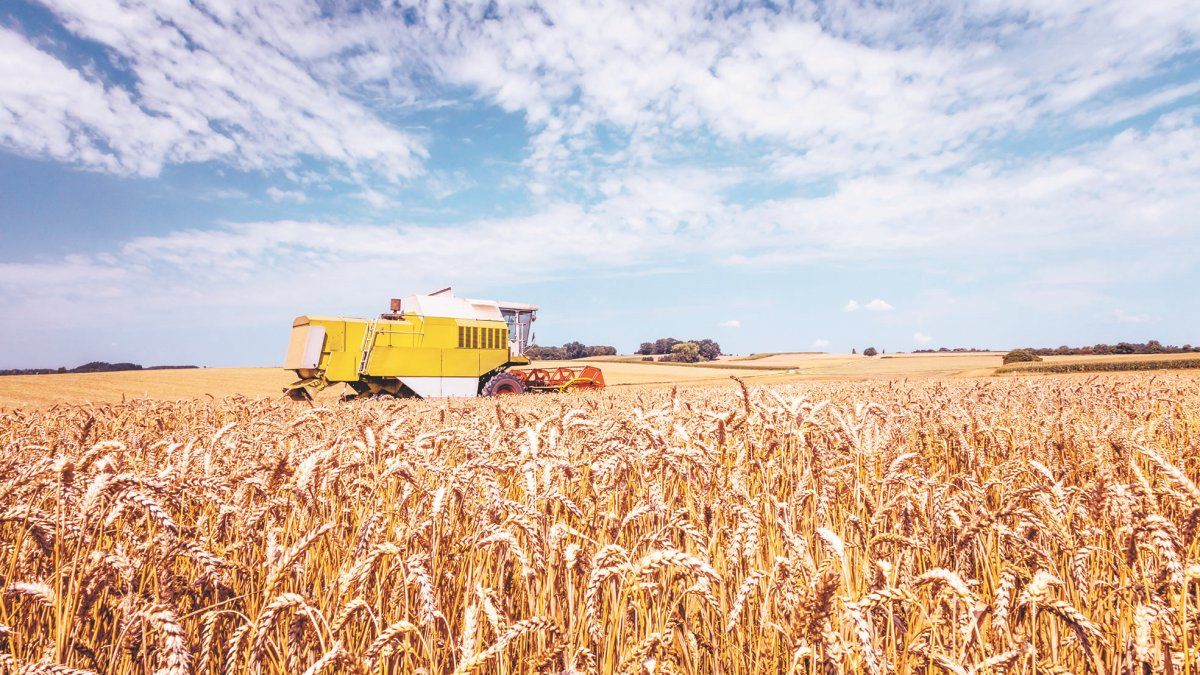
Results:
[179, 180]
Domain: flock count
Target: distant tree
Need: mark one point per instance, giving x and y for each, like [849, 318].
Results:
[664, 345]
[575, 350]
[1154, 347]
[709, 349]
[1124, 348]
[1020, 356]
[539, 353]
[571, 350]
[685, 352]
[853, 350]
[869, 351]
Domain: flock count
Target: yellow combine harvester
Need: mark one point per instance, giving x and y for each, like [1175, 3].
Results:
[427, 346]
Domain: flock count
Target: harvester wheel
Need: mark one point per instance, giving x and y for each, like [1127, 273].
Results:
[502, 384]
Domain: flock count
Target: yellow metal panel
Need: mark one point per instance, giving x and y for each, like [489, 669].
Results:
[413, 362]
[439, 333]
[335, 335]
[492, 359]
[460, 363]
[396, 334]
[343, 362]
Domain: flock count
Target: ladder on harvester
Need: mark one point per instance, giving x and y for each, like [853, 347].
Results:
[367, 345]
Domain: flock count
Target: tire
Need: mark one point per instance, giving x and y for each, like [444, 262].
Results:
[502, 384]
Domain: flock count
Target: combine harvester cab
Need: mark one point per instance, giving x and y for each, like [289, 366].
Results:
[427, 346]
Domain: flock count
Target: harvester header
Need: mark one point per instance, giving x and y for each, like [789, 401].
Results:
[427, 346]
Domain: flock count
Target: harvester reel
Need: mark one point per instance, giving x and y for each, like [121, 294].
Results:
[580, 383]
[503, 384]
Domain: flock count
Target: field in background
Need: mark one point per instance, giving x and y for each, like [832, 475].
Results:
[830, 365]
[1023, 525]
[1114, 362]
[43, 390]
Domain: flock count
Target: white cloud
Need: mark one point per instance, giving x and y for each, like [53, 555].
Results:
[373, 197]
[921, 338]
[878, 305]
[294, 196]
[1113, 112]
[835, 87]
[820, 344]
[442, 184]
[53, 111]
[209, 83]
[223, 193]
[732, 323]
[1136, 189]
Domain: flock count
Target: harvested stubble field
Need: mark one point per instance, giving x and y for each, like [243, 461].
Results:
[1022, 525]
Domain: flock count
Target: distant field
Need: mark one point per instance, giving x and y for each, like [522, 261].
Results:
[46, 390]
[42, 390]
[763, 355]
[845, 365]
[1115, 362]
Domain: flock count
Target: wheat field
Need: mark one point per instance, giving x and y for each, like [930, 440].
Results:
[1044, 525]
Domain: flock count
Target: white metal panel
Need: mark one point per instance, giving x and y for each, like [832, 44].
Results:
[443, 387]
[304, 347]
[516, 306]
[450, 307]
[313, 345]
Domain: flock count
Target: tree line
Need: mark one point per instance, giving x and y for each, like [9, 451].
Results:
[681, 351]
[668, 349]
[90, 367]
[571, 350]
[1151, 347]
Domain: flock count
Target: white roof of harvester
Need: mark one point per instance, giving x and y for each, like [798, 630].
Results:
[446, 304]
